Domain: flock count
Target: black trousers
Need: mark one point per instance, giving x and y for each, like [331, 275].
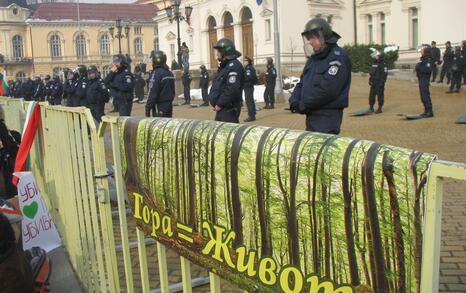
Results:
[269, 94]
[250, 104]
[205, 94]
[434, 71]
[97, 112]
[379, 91]
[445, 71]
[456, 80]
[164, 109]
[227, 115]
[187, 93]
[124, 106]
[425, 94]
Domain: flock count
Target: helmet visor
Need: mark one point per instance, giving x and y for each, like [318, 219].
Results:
[308, 49]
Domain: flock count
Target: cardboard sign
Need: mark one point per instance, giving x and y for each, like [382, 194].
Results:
[38, 228]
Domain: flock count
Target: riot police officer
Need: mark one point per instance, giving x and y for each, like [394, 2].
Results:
[270, 81]
[423, 72]
[457, 66]
[48, 88]
[69, 86]
[322, 92]
[17, 88]
[57, 91]
[226, 92]
[27, 89]
[120, 81]
[463, 53]
[435, 54]
[377, 78]
[78, 94]
[204, 85]
[186, 86]
[96, 93]
[250, 79]
[161, 88]
[447, 59]
[39, 90]
[139, 84]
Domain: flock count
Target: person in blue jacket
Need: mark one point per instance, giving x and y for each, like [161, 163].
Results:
[120, 81]
[423, 72]
[250, 80]
[161, 88]
[323, 90]
[227, 89]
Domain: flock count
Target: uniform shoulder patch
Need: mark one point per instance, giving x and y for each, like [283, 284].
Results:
[333, 70]
[337, 52]
[231, 64]
[428, 64]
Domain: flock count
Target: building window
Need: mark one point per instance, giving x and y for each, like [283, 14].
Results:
[105, 71]
[55, 46]
[268, 30]
[21, 76]
[382, 27]
[80, 45]
[137, 30]
[156, 44]
[104, 45]
[370, 35]
[18, 47]
[414, 28]
[138, 46]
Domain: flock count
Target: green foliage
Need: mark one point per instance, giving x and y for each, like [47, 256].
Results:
[361, 56]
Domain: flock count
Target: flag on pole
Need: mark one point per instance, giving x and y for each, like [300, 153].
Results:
[29, 133]
[4, 90]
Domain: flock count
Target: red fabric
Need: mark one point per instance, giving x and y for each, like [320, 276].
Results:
[26, 141]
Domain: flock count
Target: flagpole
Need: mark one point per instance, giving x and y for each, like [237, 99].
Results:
[79, 30]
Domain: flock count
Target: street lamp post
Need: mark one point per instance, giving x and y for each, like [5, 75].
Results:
[119, 35]
[174, 14]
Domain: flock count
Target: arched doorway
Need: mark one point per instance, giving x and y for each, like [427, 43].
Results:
[228, 30]
[247, 32]
[211, 24]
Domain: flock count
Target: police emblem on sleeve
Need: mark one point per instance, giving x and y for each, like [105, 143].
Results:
[128, 80]
[333, 70]
[232, 79]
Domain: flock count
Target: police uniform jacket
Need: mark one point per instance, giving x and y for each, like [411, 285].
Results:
[250, 76]
[161, 86]
[121, 84]
[96, 92]
[227, 88]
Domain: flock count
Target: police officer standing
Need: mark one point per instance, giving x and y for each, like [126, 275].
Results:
[17, 88]
[322, 92]
[139, 84]
[186, 86]
[39, 90]
[270, 81]
[377, 78]
[161, 88]
[227, 88]
[250, 80]
[435, 52]
[457, 66]
[463, 53]
[48, 88]
[423, 72]
[78, 98]
[96, 93]
[68, 87]
[447, 59]
[57, 91]
[120, 81]
[27, 89]
[204, 85]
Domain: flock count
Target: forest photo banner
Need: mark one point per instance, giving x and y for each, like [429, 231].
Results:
[279, 210]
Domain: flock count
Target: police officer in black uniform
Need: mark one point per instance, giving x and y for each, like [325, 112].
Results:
[377, 78]
[250, 80]
[27, 89]
[457, 66]
[120, 81]
[423, 72]
[227, 89]
[204, 85]
[447, 59]
[161, 88]
[39, 90]
[435, 52]
[69, 86]
[139, 84]
[186, 78]
[96, 93]
[322, 92]
[78, 97]
[48, 88]
[17, 88]
[57, 91]
[463, 53]
[270, 81]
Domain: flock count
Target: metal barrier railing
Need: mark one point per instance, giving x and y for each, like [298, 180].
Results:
[69, 161]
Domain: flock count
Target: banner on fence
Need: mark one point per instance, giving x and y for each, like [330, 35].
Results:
[279, 210]
[38, 228]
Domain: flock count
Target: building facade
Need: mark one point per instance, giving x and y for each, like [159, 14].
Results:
[46, 38]
[404, 23]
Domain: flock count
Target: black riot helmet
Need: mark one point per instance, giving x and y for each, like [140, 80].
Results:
[424, 49]
[227, 48]
[203, 68]
[82, 70]
[320, 28]
[92, 69]
[159, 59]
[47, 77]
[56, 78]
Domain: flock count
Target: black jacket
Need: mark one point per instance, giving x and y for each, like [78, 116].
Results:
[448, 56]
[121, 84]
[227, 88]
[250, 76]
[379, 72]
[161, 86]
[96, 92]
[204, 79]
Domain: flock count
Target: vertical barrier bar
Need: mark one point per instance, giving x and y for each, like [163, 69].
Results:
[163, 271]
[186, 275]
[214, 283]
[121, 206]
[143, 261]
